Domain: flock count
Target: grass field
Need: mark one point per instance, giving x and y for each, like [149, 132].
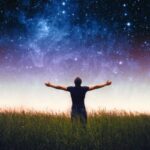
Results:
[104, 131]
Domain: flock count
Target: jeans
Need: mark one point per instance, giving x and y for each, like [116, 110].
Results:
[79, 113]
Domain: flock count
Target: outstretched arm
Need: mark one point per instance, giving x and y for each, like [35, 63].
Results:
[100, 86]
[56, 86]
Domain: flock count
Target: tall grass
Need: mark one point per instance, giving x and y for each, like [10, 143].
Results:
[104, 131]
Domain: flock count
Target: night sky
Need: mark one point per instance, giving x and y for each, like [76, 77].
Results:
[57, 40]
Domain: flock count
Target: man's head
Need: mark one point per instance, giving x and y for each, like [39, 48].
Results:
[77, 81]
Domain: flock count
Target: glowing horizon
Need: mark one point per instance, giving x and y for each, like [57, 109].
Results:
[33, 94]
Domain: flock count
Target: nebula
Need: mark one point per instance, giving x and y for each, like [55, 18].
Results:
[57, 40]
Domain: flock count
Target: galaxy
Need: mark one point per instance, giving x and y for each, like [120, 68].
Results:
[57, 40]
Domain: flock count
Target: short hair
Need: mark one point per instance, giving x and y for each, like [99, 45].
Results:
[77, 81]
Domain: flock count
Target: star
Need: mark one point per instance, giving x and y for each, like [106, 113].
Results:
[128, 24]
[63, 3]
[124, 5]
[63, 12]
[75, 59]
[125, 14]
[120, 62]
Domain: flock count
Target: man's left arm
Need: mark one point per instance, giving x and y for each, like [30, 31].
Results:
[59, 87]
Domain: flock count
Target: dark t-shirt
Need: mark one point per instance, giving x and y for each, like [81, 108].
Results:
[78, 95]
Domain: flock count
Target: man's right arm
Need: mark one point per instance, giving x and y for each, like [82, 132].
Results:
[100, 86]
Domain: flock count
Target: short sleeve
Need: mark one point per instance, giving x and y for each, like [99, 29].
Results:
[86, 88]
[69, 88]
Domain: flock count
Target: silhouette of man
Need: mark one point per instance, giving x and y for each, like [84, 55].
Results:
[78, 93]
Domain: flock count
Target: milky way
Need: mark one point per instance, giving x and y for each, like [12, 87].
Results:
[60, 39]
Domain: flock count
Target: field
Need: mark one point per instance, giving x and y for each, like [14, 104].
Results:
[104, 131]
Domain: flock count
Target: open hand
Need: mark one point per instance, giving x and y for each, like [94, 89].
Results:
[108, 82]
[48, 84]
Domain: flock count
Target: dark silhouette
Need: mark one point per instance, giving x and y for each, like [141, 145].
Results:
[78, 95]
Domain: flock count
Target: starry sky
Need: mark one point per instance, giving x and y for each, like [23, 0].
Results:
[57, 40]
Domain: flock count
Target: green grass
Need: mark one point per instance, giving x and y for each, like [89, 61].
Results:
[105, 131]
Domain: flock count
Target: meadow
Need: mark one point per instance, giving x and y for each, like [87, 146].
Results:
[49, 131]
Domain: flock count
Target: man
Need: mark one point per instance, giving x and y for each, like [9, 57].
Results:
[78, 93]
